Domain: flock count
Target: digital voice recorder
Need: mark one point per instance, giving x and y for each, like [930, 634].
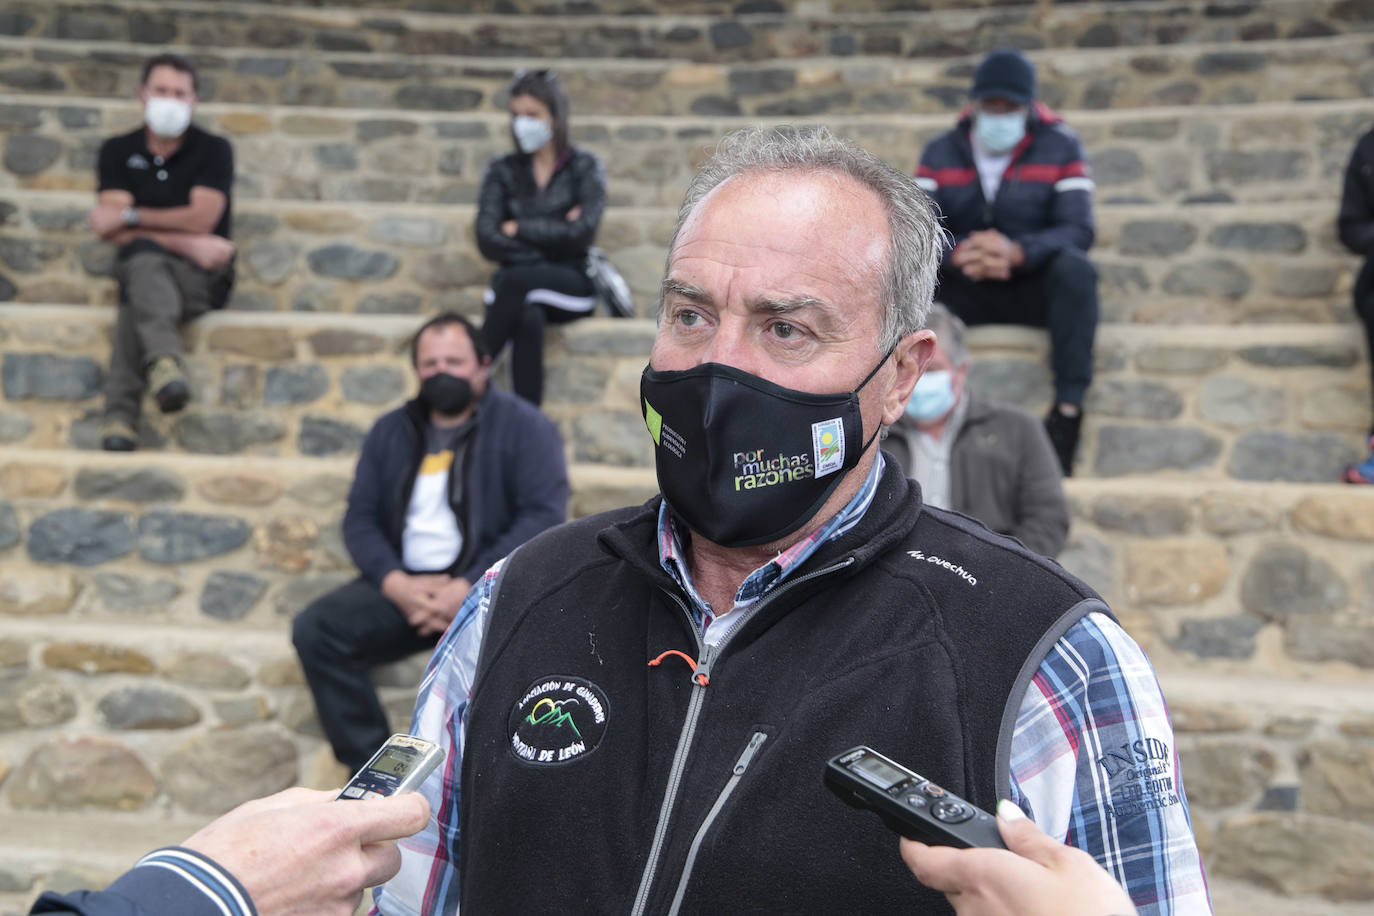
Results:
[909, 803]
[399, 766]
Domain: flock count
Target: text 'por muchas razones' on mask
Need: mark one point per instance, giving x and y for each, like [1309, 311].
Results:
[743, 461]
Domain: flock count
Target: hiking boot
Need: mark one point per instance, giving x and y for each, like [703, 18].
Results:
[168, 384]
[118, 436]
[1063, 431]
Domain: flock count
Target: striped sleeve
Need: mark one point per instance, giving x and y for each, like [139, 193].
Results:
[428, 880]
[1093, 759]
[170, 880]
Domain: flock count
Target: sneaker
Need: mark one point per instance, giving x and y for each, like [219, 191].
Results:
[168, 383]
[1063, 431]
[1362, 473]
[118, 436]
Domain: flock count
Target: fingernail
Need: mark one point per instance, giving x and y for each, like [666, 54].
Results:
[1008, 810]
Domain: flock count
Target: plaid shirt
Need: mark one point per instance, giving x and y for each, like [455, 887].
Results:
[1092, 754]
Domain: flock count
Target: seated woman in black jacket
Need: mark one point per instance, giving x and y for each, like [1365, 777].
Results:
[537, 215]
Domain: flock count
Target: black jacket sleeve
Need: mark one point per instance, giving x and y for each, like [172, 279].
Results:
[1355, 224]
[364, 528]
[494, 244]
[168, 881]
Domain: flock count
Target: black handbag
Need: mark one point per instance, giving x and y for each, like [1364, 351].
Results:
[610, 286]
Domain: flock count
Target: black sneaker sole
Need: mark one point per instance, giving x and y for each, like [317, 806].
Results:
[172, 397]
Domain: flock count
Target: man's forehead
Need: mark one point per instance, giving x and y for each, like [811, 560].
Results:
[164, 74]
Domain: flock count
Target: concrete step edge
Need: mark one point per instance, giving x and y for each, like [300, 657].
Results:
[616, 64]
[346, 16]
[1315, 107]
[1261, 210]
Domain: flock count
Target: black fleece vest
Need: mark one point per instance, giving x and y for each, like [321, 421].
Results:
[916, 633]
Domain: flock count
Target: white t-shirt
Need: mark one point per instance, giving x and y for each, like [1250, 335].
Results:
[432, 538]
[990, 167]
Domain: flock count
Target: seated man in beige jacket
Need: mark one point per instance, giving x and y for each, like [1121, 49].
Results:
[991, 461]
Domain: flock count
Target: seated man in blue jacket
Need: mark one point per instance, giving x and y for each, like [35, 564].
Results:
[1015, 192]
[446, 485]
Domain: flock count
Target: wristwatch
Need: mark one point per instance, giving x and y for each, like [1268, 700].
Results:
[129, 216]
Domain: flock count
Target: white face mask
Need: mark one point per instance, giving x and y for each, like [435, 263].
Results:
[168, 118]
[1000, 132]
[530, 133]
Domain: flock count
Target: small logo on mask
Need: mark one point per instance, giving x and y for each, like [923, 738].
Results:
[559, 719]
[827, 441]
[663, 435]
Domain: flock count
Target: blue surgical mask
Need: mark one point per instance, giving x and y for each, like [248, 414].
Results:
[530, 133]
[933, 396]
[999, 133]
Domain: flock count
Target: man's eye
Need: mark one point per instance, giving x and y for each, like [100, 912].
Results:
[785, 331]
[688, 317]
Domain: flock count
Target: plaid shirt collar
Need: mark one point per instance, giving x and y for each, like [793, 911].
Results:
[673, 558]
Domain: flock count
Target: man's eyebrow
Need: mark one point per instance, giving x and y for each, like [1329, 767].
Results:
[789, 304]
[687, 291]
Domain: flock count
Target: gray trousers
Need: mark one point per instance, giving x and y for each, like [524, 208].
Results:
[158, 292]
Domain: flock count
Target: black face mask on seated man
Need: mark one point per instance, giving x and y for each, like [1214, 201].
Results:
[446, 393]
[744, 461]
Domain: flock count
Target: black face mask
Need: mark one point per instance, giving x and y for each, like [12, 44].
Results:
[744, 461]
[446, 393]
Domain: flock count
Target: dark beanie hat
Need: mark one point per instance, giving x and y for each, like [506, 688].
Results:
[1006, 74]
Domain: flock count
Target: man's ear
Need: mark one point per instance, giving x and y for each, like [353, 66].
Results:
[912, 354]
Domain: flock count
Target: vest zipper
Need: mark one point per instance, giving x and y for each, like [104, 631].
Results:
[740, 766]
[706, 654]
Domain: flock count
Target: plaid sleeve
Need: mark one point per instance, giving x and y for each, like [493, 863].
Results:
[428, 880]
[1093, 760]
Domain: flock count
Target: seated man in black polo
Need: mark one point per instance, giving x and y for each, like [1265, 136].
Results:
[446, 485]
[164, 200]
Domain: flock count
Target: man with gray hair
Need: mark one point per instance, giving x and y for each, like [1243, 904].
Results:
[638, 706]
[987, 460]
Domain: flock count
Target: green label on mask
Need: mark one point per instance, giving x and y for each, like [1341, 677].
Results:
[654, 420]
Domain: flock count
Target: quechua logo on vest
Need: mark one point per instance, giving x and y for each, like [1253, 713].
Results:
[557, 720]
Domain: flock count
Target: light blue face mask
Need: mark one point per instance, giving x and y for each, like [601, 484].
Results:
[530, 133]
[933, 396]
[1000, 132]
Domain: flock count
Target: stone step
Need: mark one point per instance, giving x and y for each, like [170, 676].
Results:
[756, 37]
[1266, 152]
[1216, 263]
[1250, 402]
[1092, 78]
[1252, 601]
[642, 7]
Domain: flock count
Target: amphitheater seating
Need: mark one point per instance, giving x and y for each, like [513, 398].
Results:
[146, 681]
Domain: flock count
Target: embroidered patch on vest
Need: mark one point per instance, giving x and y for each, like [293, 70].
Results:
[558, 720]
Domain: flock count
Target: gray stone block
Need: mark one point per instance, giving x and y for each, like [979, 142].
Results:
[144, 485]
[1224, 637]
[1239, 402]
[1213, 278]
[33, 700]
[407, 230]
[1226, 63]
[1133, 399]
[10, 529]
[337, 157]
[1142, 516]
[81, 537]
[215, 772]
[1180, 360]
[134, 594]
[226, 432]
[766, 81]
[1284, 582]
[1091, 560]
[1264, 166]
[146, 708]
[29, 154]
[347, 262]
[1287, 356]
[1116, 166]
[1331, 641]
[184, 537]
[326, 436]
[231, 595]
[611, 437]
[48, 377]
[14, 426]
[1143, 449]
[271, 261]
[373, 384]
[27, 256]
[300, 384]
[1156, 237]
[1287, 238]
[1316, 458]
[389, 304]
[426, 97]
